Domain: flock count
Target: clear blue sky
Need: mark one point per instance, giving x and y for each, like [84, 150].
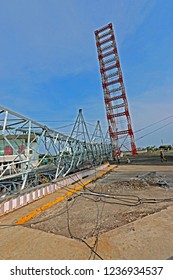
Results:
[49, 67]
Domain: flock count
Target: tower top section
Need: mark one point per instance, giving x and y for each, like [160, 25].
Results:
[117, 111]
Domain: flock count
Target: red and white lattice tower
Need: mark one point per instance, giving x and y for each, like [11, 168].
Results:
[118, 116]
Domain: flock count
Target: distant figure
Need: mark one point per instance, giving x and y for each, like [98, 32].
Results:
[162, 157]
[128, 160]
[118, 159]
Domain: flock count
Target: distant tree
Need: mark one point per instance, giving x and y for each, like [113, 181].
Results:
[165, 147]
[151, 148]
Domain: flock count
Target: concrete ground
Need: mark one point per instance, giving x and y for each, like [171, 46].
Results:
[134, 233]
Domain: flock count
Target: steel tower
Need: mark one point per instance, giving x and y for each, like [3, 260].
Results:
[32, 154]
[117, 111]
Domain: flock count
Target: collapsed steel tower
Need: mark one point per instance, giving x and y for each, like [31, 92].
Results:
[32, 154]
[117, 111]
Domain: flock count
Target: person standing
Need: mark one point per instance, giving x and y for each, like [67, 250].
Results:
[162, 157]
[118, 159]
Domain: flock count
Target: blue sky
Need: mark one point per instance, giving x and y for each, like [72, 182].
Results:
[49, 67]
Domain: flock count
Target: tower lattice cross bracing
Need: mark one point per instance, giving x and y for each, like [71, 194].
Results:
[117, 111]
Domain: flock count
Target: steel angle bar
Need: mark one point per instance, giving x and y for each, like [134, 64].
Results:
[32, 154]
[99, 143]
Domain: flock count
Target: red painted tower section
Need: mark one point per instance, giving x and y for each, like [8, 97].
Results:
[118, 116]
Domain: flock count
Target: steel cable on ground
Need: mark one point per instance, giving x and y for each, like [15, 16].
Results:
[39, 221]
[67, 208]
[129, 202]
[132, 201]
[124, 198]
[96, 229]
[78, 238]
[59, 214]
[122, 201]
[100, 195]
[64, 187]
[98, 222]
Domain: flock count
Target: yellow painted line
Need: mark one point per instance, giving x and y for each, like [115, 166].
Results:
[58, 199]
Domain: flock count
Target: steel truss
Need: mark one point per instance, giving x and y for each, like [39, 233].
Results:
[33, 154]
[118, 115]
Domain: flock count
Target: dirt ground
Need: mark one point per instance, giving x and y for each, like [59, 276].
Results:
[127, 214]
[106, 205]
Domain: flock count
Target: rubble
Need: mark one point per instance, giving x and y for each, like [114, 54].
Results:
[152, 178]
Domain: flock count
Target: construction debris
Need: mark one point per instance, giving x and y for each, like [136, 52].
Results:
[152, 178]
